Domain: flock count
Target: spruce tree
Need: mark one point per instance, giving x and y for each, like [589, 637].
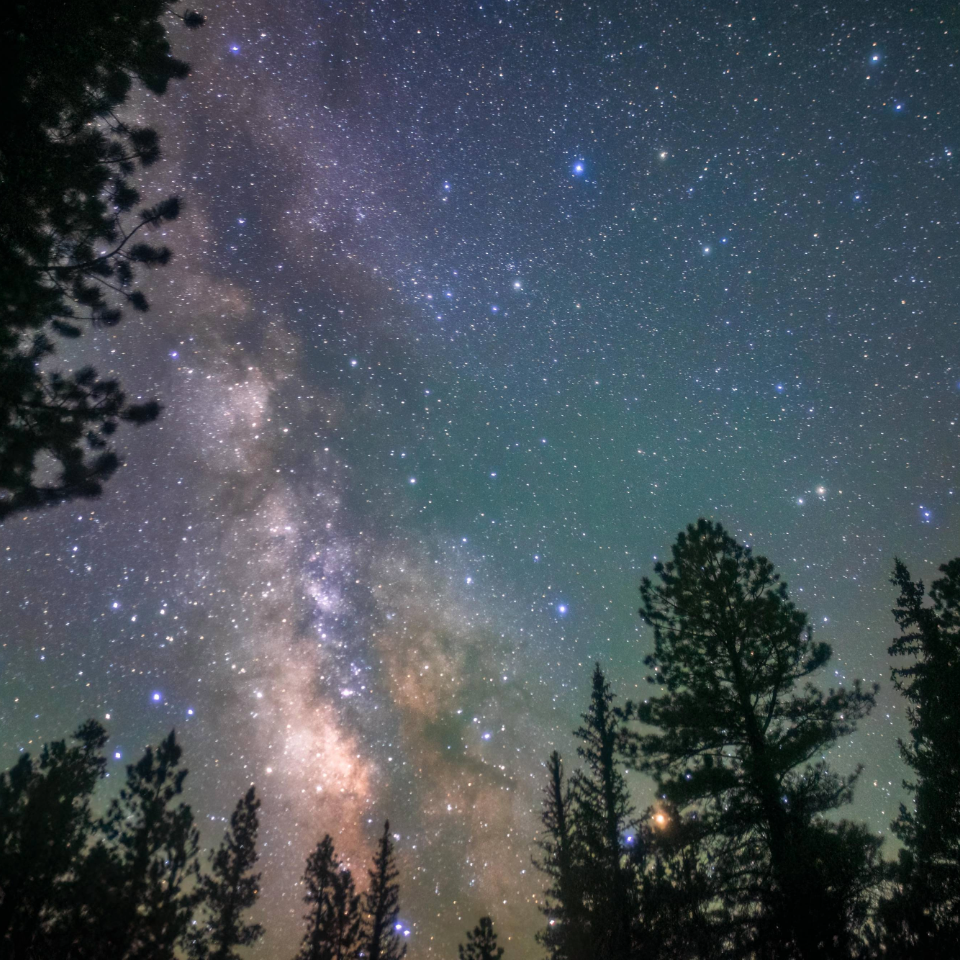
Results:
[481, 943]
[381, 941]
[923, 917]
[739, 733]
[347, 917]
[565, 936]
[602, 819]
[333, 916]
[72, 230]
[45, 826]
[231, 888]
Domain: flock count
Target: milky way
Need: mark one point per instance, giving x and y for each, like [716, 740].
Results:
[474, 306]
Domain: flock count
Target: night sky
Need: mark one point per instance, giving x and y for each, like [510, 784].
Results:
[475, 305]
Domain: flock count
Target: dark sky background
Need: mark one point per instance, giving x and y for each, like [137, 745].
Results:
[475, 306]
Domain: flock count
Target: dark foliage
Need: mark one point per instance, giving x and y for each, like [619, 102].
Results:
[45, 827]
[922, 916]
[72, 231]
[602, 820]
[144, 867]
[678, 910]
[617, 887]
[738, 736]
[565, 935]
[381, 905]
[230, 888]
[117, 887]
[333, 916]
[481, 943]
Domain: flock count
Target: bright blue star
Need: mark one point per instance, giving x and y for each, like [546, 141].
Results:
[156, 698]
[579, 168]
[235, 48]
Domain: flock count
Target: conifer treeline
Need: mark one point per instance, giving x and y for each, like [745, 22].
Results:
[741, 852]
[130, 885]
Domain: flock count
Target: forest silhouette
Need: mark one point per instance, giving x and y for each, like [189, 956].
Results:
[740, 851]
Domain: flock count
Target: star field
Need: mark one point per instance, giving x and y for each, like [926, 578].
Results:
[474, 306]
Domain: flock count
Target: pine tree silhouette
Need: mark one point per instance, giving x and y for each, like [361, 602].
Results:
[333, 918]
[603, 818]
[740, 732]
[231, 888]
[71, 240]
[381, 940]
[565, 935]
[923, 916]
[481, 943]
[45, 826]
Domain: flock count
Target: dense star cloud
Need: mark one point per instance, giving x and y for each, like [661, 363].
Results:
[474, 306]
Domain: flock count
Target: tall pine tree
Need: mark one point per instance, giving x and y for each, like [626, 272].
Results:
[923, 917]
[481, 943]
[333, 916]
[231, 888]
[602, 819]
[381, 904]
[739, 733]
[565, 936]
